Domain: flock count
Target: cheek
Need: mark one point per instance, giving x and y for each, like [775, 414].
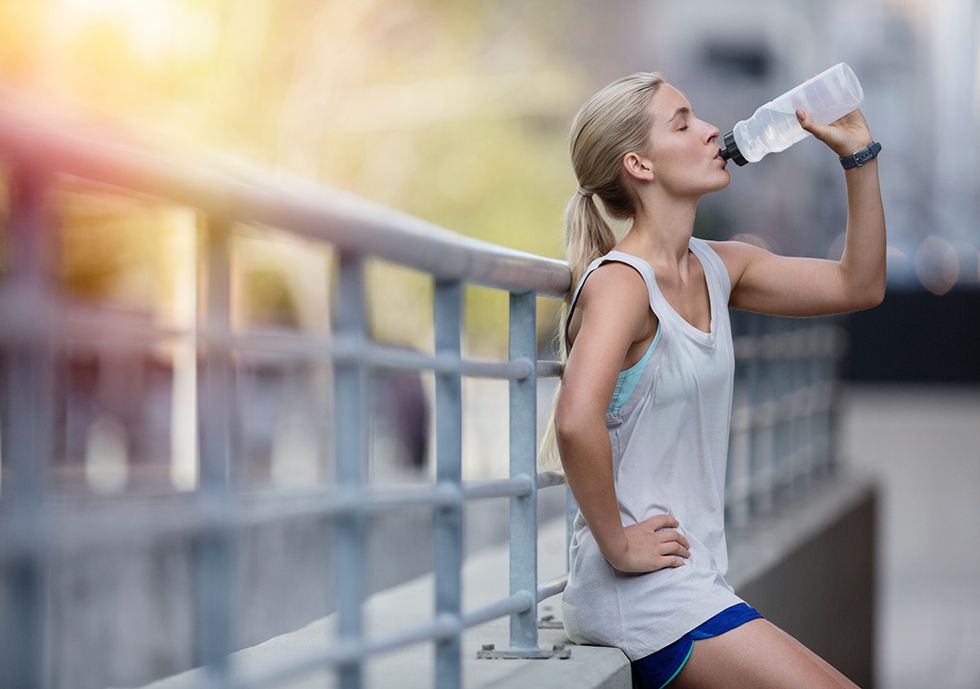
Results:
[681, 166]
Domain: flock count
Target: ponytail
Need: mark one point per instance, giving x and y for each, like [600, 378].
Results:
[587, 236]
[612, 123]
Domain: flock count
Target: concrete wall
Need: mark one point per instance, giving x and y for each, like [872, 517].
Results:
[823, 590]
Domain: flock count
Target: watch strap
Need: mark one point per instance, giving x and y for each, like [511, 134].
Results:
[861, 157]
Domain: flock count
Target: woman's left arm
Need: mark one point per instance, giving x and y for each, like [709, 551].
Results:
[796, 286]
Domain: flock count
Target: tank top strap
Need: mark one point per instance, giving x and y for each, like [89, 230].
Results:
[641, 266]
[715, 269]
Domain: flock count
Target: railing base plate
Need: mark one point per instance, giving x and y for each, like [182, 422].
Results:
[560, 651]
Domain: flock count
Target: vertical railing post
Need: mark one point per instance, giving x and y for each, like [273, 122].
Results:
[810, 383]
[522, 347]
[28, 429]
[824, 366]
[214, 547]
[350, 393]
[737, 476]
[839, 345]
[757, 430]
[768, 385]
[523, 461]
[447, 521]
[780, 384]
[796, 387]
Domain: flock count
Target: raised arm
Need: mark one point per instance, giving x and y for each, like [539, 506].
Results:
[765, 282]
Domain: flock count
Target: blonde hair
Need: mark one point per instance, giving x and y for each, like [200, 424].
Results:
[612, 123]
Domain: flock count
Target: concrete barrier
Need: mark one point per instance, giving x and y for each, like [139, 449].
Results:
[810, 569]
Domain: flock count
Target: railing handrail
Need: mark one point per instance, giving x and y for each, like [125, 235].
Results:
[38, 147]
[232, 188]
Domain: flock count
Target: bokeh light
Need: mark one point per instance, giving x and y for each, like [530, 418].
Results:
[936, 264]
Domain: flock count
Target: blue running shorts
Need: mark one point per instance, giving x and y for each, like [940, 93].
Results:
[656, 670]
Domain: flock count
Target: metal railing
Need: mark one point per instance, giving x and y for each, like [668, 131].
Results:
[784, 385]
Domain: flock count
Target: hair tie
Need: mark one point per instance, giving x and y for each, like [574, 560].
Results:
[583, 192]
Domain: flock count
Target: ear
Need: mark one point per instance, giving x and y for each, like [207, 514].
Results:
[638, 167]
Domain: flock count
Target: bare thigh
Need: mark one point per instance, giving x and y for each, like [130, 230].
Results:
[757, 655]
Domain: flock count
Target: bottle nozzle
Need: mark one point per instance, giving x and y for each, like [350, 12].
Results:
[729, 150]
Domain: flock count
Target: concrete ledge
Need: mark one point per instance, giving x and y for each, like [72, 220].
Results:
[485, 579]
[756, 557]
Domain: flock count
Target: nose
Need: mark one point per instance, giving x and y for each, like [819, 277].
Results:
[713, 133]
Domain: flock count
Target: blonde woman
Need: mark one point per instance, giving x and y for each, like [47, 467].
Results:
[641, 417]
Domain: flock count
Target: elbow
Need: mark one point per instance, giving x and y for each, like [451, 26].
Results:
[879, 291]
[563, 426]
[870, 298]
[877, 296]
[569, 425]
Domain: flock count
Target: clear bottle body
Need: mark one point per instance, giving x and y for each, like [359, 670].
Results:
[773, 127]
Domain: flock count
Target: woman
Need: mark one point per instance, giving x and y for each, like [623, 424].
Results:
[641, 418]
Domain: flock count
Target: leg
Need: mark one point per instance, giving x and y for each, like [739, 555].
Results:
[756, 655]
[827, 667]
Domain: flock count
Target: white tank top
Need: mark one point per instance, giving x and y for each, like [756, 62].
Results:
[669, 450]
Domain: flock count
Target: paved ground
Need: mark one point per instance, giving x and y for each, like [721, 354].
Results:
[924, 441]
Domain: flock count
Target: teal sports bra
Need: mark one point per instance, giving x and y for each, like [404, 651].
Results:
[627, 380]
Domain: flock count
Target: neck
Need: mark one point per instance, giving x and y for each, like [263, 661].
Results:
[660, 233]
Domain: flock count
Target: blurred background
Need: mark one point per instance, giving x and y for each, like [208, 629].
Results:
[458, 113]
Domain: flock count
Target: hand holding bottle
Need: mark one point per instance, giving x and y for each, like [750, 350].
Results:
[844, 136]
[829, 100]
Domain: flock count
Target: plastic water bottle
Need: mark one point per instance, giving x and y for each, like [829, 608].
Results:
[773, 127]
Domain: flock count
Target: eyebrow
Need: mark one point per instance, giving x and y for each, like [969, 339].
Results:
[685, 110]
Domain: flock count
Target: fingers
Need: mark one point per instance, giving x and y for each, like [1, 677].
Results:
[678, 537]
[675, 548]
[803, 117]
[662, 523]
[818, 130]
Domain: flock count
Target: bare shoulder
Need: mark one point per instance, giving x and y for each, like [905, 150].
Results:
[614, 293]
[734, 254]
[612, 314]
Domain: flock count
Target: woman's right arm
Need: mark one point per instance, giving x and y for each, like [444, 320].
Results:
[614, 313]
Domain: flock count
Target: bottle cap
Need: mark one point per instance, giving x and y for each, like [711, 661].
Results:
[729, 151]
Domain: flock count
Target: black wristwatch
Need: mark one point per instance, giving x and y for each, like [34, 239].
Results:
[861, 157]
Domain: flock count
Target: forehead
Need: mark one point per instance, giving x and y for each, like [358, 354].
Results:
[665, 102]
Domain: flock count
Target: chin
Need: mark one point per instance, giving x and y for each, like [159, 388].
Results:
[722, 184]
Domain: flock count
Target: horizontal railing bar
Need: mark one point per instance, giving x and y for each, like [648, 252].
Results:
[96, 327]
[75, 326]
[550, 478]
[552, 587]
[70, 528]
[241, 191]
[78, 327]
[549, 369]
[342, 651]
[518, 602]
[497, 488]
[798, 404]
[799, 343]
